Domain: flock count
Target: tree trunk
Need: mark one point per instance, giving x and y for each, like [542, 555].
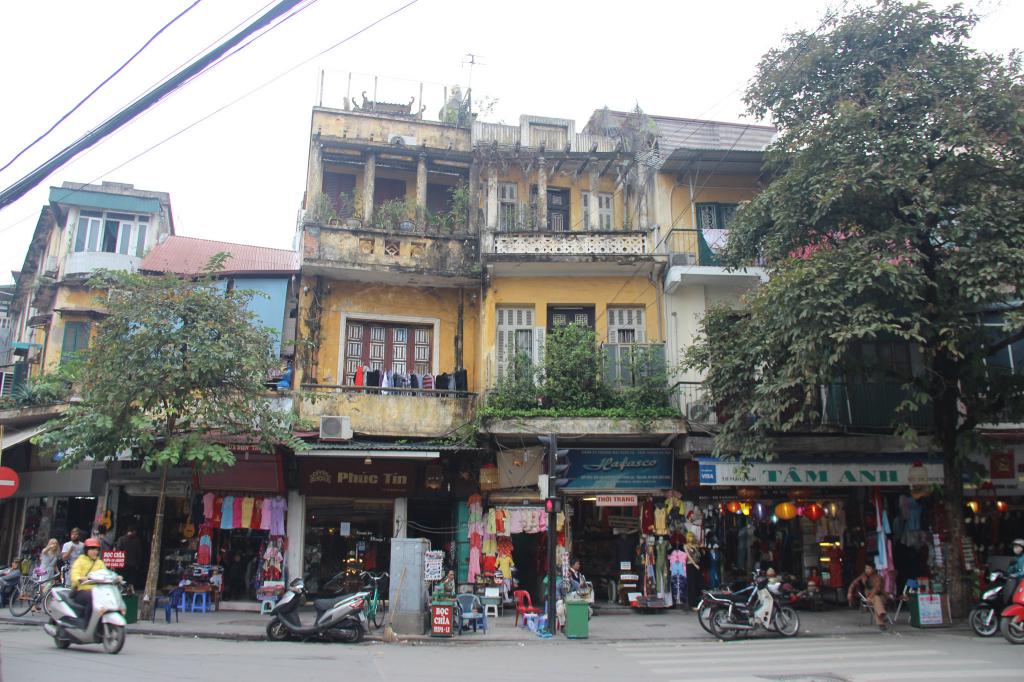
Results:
[953, 492]
[153, 574]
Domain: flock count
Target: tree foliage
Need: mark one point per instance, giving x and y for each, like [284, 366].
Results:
[173, 364]
[894, 211]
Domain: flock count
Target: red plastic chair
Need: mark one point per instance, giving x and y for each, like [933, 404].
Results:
[524, 605]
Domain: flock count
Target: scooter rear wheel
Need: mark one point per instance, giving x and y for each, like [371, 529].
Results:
[113, 638]
[718, 618]
[276, 631]
[60, 642]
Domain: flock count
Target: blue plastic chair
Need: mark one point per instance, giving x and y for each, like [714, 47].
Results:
[171, 602]
[471, 612]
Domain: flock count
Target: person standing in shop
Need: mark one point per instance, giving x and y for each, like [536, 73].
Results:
[131, 545]
[71, 550]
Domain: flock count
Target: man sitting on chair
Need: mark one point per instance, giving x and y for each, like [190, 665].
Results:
[871, 583]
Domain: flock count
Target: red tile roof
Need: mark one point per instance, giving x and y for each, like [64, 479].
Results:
[188, 256]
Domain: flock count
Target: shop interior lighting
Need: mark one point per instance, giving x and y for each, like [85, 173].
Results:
[590, 499]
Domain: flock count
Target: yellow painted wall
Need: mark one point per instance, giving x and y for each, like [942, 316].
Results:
[67, 298]
[370, 300]
[540, 292]
[376, 128]
[674, 209]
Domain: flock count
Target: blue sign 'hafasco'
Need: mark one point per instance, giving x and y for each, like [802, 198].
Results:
[620, 469]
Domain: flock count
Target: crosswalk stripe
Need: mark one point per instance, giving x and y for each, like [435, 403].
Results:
[834, 655]
[884, 667]
[741, 651]
[1006, 673]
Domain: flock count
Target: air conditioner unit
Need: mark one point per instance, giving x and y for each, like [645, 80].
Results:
[404, 140]
[335, 428]
[698, 412]
[683, 259]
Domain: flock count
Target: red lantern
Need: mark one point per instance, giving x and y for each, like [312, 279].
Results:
[1001, 506]
[814, 512]
[732, 507]
[786, 511]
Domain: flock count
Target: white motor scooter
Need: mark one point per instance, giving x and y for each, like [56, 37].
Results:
[106, 624]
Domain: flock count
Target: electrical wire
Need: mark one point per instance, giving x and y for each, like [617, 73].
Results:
[249, 93]
[97, 88]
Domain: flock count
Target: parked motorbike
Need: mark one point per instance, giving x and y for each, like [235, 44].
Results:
[710, 597]
[763, 608]
[984, 618]
[106, 625]
[1012, 622]
[338, 619]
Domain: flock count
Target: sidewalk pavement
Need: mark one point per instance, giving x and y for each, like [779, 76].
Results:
[610, 626]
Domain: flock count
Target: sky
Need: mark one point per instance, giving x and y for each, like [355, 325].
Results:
[235, 163]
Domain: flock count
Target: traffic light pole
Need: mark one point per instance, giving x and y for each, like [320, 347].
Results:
[552, 530]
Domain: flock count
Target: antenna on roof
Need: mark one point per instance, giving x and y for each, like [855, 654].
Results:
[472, 60]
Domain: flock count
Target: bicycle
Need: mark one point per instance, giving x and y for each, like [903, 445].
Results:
[376, 608]
[29, 594]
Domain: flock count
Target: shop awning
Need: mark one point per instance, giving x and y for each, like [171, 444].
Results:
[251, 473]
[372, 454]
[888, 471]
[13, 437]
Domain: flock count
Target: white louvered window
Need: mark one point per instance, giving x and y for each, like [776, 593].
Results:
[508, 194]
[604, 210]
[517, 333]
[626, 324]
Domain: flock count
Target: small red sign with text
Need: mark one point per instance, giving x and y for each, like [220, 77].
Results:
[113, 559]
[441, 619]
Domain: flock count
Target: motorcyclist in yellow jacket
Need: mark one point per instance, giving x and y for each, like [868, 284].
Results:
[88, 562]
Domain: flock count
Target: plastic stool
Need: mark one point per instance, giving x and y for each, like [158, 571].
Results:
[491, 609]
[199, 595]
[183, 604]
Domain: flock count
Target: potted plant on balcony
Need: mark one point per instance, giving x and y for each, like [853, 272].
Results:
[322, 210]
[394, 214]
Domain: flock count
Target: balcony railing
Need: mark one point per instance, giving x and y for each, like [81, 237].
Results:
[699, 247]
[870, 405]
[399, 412]
[695, 403]
[86, 262]
[574, 243]
[625, 364]
[858, 405]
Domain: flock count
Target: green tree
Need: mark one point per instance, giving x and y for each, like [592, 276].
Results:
[894, 210]
[174, 365]
[572, 369]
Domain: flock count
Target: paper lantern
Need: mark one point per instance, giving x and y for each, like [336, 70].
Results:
[814, 512]
[760, 511]
[786, 511]
[1001, 506]
[732, 506]
[833, 509]
[745, 508]
[974, 506]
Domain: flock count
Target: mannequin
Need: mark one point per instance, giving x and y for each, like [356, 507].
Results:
[677, 563]
[660, 566]
[714, 563]
[694, 583]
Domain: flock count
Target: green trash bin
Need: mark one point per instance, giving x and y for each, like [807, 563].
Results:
[131, 608]
[577, 619]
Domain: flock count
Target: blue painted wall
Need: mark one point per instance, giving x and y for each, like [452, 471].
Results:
[269, 309]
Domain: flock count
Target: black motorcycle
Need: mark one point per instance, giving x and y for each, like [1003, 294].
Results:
[766, 607]
[711, 597]
[339, 619]
[984, 618]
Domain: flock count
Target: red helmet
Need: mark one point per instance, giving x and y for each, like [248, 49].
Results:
[92, 542]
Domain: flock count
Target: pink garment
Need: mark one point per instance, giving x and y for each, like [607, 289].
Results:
[266, 511]
[474, 564]
[516, 521]
[208, 506]
[278, 506]
[542, 522]
[236, 514]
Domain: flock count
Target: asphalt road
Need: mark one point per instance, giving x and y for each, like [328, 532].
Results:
[27, 655]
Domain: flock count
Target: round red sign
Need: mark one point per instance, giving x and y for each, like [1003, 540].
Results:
[8, 482]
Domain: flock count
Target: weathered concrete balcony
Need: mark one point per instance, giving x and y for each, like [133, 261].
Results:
[403, 257]
[572, 243]
[401, 412]
[660, 431]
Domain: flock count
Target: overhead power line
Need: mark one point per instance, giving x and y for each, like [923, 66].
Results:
[20, 188]
[96, 89]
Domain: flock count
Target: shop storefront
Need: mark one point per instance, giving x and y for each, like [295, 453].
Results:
[53, 502]
[354, 505]
[994, 493]
[821, 520]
